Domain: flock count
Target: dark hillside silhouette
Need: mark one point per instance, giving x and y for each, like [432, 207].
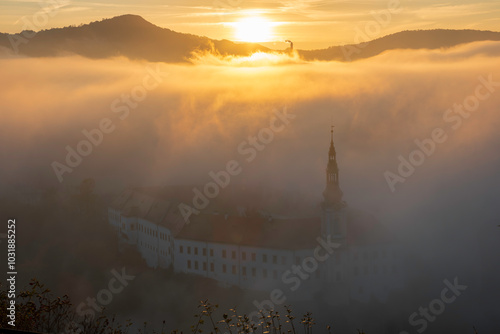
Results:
[128, 35]
[416, 39]
[133, 37]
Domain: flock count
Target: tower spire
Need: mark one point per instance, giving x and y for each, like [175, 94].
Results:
[333, 193]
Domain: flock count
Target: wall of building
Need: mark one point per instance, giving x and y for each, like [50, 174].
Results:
[361, 272]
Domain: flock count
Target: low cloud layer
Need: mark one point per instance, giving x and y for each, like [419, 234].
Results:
[194, 117]
[173, 124]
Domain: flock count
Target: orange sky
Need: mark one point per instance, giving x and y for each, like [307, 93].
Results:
[309, 23]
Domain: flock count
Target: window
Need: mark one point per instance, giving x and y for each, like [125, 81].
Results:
[196, 265]
[181, 249]
[224, 268]
[211, 267]
[204, 266]
[233, 255]
[189, 264]
[204, 251]
[189, 249]
[224, 253]
[264, 258]
[275, 259]
[264, 273]
[253, 257]
[234, 270]
[243, 256]
[244, 271]
[211, 252]
[196, 251]
[254, 272]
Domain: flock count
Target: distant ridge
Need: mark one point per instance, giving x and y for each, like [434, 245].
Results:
[133, 37]
[127, 35]
[414, 39]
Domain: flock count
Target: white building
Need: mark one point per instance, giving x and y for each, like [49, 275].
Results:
[261, 253]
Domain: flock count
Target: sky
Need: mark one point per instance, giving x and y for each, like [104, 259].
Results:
[310, 24]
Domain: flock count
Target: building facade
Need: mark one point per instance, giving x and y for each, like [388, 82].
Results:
[260, 252]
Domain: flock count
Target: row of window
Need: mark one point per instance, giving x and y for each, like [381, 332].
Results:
[251, 256]
[148, 231]
[155, 249]
[195, 249]
[148, 246]
[234, 269]
[154, 233]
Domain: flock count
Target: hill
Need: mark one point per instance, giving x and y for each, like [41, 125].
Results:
[128, 35]
[416, 39]
[133, 37]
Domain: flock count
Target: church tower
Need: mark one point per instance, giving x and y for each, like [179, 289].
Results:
[333, 217]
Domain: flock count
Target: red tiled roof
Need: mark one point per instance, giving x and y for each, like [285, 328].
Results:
[254, 231]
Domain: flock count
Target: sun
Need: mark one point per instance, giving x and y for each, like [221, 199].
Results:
[253, 29]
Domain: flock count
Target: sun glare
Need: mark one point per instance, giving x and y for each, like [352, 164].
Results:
[253, 29]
